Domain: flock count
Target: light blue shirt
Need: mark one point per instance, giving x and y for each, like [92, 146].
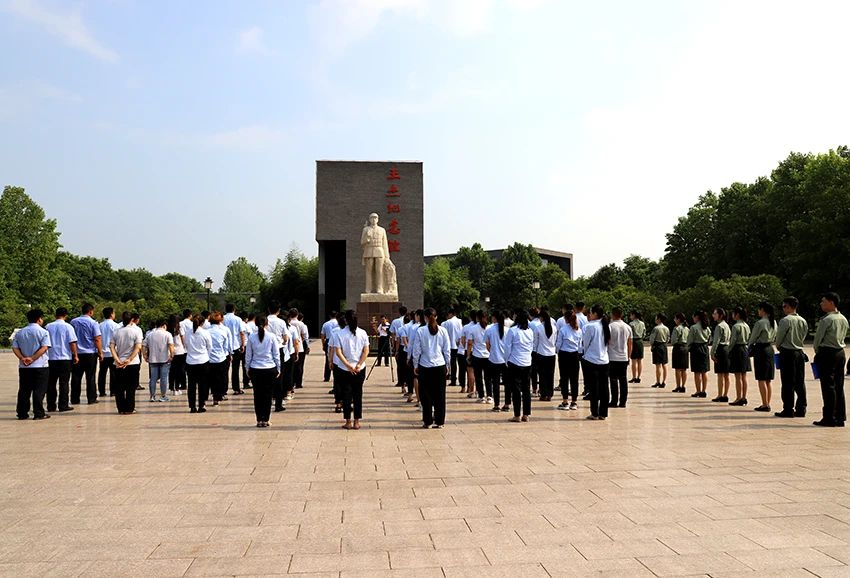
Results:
[454, 327]
[29, 340]
[86, 329]
[569, 339]
[497, 344]
[396, 325]
[431, 350]
[593, 343]
[544, 344]
[412, 337]
[582, 320]
[108, 327]
[234, 325]
[328, 327]
[61, 337]
[263, 354]
[519, 344]
[221, 347]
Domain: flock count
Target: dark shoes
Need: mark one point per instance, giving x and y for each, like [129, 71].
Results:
[720, 399]
[45, 416]
[784, 414]
[763, 408]
[740, 402]
[824, 423]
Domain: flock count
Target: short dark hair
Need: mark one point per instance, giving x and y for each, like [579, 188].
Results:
[832, 297]
[61, 312]
[579, 304]
[791, 302]
[661, 317]
[617, 312]
[33, 315]
[205, 314]
[451, 311]
[293, 313]
[87, 308]
[187, 313]
[107, 312]
[274, 306]
[229, 308]
[402, 311]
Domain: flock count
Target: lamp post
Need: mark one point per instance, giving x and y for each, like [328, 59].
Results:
[208, 282]
[253, 301]
[536, 286]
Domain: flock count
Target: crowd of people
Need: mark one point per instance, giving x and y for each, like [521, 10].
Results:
[503, 359]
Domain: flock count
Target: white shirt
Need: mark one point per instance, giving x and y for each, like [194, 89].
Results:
[186, 330]
[545, 345]
[234, 325]
[333, 343]
[593, 343]
[250, 329]
[431, 350]
[618, 347]
[156, 343]
[198, 346]
[263, 354]
[328, 328]
[454, 327]
[582, 320]
[569, 339]
[278, 326]
[496, 343]
[350, 345]
[518, 346]
[412, 338]
[476, 336]
[179, 348]
[108, 327]
[125, 340]
[464, 337]
[409, 329]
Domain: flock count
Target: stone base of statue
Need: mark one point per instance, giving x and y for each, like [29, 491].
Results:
[369, 313]
[378, 298]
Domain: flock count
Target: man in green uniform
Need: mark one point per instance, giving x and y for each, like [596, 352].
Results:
[829, 359]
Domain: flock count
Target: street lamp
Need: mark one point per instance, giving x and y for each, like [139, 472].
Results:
[535, 285]
[208, 282]
[253, 301]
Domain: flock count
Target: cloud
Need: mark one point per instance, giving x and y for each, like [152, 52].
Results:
[68, 26]
[246, 137]
[251, 41]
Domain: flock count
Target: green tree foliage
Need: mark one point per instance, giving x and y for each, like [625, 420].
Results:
[736, 291]
[242, 279]
[446, 287]
[478, 264]
[294, 282]
[689, 246]
[606, 277]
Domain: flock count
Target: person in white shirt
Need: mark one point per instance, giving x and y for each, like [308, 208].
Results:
[233, 323]
[198, 347]
[496, 371]
[533, 322]
[545, 336]
[327, 329]
[396, 343]
[303, 345]
[219, 357]
[383, 341]
[262, 358]
[469, 378]
[461, 354]
[619, 350]
[410, 339]
[595, 338]
[61, 356]
[158, 351]
[568, 344]
[291, 357]
[400, 355]
[186, 329]
[108, 327]
[431, 357]
[352, 349]
[478, 355]
[453, 327]
[177, 372]
[519, 344]
[338, 369]
[249, 327]
[125, 348]
[276, 325]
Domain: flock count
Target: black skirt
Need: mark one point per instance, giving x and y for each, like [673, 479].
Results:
[721, 359]
[637, 348]
[659, 353]
[763, 362]
[699, 358]
[680, 356]
[739, 360]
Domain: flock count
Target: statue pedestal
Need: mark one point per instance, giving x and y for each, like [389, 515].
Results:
[369, 313]
[378, 298]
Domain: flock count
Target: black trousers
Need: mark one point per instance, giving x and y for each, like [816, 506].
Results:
[384, 349]
[218, 379]
[236, 359]
[107, 365]
[461, 370]
[278, 391]
[432, 394]
[126, 379]
[401, 367]
[60, 373]
[298, 370]
[263, 380]
[546, 374]
[482, 383]
[496, 375]
[352, 394]
[327, 374]
[339, 378]
[520, 379]
[197, 376]
[830, 364]
[32, 385]
[535, 371]
[177, 375]
[409, 376]
[792, 373]
[618, 378]
[596, 380]
[288, 375]
[453, 367]
[568, 363]
[86, 366]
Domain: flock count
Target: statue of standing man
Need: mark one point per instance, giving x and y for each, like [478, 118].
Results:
[376, 257]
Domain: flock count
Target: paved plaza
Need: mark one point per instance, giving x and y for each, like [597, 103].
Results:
[669, 486]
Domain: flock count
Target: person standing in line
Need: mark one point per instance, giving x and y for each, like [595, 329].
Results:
[249, 327]
[177, 373]
[222, 347]
[580, 316]
[454, 328]
[829, 359]
[638, 333]
[262, 358]
[383, 342]
[720, 354]
[352, 350]
[61, 357]
[108, 327]
[658, 338]
[595, 338]
[293, 353]
[739, 356]
[186, 329]
[698, 337]
[400, 355]
[461, 354]
[790, 337]
[545, 337]
[467, 349]
[303, 345]
[533, 322]
[760, 343]
[89, 351]
[338, 368]
[431, 357]
[479, 355]
[395, 343]
[233, 323]
[679, 339]
[496, 369]
[158, 351]
[30, 346]
[277, 326]
[569, 346]
[326, 331]
[125, 347]
[619, 350]
[410, 339]
[198, 347]
[519, 344]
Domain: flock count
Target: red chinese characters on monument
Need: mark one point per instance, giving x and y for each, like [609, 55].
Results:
[394, 207]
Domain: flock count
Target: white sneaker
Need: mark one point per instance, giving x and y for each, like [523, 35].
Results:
[489, 400]
[481, 400]
[289, 396]
[153, 398]
[573, 406]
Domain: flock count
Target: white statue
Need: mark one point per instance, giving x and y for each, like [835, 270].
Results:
[380, 271]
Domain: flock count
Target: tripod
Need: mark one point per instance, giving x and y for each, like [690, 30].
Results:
[374, 363]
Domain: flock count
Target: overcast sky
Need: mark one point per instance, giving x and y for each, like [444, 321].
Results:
[181, 135]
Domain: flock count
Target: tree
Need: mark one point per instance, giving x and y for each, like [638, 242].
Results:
[606, 277]
[642, 273]
[294, 282]
[478, 264]
[446, 287]
[512, 287]
[519, 254]
[737, 291]
[242, 280]
[690, 245]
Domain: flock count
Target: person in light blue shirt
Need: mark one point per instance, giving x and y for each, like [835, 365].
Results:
[453, 327]
[595, 338]
[222, 348]
[30, 346]
[496, 372]
[62, 355]
[411, 335]
[262, 358]
[431, 356]
[568, 343]
[396, 343]
[108, 327]
[327, 329]
[233, 323]
[519, 344]
[89, 351]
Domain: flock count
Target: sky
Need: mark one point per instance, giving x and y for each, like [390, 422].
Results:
[178, 136]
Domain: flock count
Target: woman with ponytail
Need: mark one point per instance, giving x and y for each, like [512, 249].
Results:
[478, 355]
[519, 343]
[761, 349]
[679, 339]
[352, 349]
[198, 348]
[720, 354]
[496, 369]
[698, 337]
[431, 356]
[739, 358]
[545, 337]
[595, 338]
[262, 358]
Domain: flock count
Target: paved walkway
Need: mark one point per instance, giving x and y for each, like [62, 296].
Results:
[669, 486]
